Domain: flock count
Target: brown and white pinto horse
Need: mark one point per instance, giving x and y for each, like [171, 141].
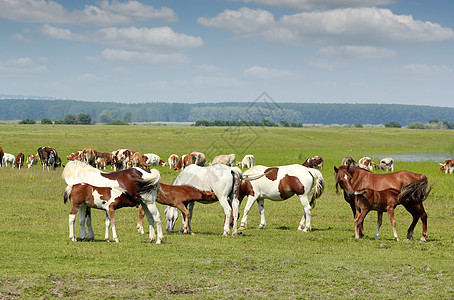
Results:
[88, 187]
[352, 179]
[179, 196]
[19, 160]
[32, 160]
[49, 158]
[173, 160]
[314, 162]
[281, 183]
[185, 160]
[88, 156]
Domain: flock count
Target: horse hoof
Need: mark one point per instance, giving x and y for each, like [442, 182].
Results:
[261, 226]
[117, 241]
[422, 240]
[242, 227]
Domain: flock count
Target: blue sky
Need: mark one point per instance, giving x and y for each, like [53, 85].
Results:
[315, 51]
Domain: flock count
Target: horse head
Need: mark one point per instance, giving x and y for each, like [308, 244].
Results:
[343, 178]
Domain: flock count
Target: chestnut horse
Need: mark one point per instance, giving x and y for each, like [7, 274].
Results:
[352, 179]
[179, 196]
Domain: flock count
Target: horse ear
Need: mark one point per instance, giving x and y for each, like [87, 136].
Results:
[335, 169]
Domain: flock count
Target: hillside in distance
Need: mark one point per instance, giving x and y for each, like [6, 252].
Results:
[305, 113]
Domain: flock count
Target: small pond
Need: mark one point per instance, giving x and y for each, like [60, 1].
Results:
[418, 156]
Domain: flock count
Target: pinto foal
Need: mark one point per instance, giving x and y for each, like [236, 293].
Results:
[179, 196]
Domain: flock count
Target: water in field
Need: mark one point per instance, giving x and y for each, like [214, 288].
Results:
[419, 156]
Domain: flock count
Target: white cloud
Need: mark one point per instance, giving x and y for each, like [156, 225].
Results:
[107, 14]
[428, 70]
[319, 4]
[125, 56]
[266, 73]
[356, 52]
[146, 38]
[60, 33]
[23, 65]
[245, 22]
[131, 38]
[361, 26]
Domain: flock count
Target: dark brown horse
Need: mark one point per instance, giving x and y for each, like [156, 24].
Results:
[412, 188]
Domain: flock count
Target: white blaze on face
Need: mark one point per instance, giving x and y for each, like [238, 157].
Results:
[345, 177]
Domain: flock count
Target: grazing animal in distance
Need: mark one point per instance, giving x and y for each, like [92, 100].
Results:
[8, 158]
[121, 159]
[88, 187]
[352, 179]
[247, 161]
[386, 164]
[19, 163]
[49, 158]
[32, 160]
[88, 156]
[173, 161]
[75, 156]
[103, 159]
[349, 161]
[314, 162]
[448, 166]
[185, 160]
[366, 163]
[179, 196]
[200, 159]
[138, 160]
[226, 159]
[281, 183]
[154, 160]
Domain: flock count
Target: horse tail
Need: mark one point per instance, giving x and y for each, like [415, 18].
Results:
[237, 176]
[415, 191]
[149, 182]
[67, 193]
[318, 185]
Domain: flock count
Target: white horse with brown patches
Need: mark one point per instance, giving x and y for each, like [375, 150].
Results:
[88, 188]
[281, 183]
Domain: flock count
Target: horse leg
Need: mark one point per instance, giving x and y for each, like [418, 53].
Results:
[261, 206]
[227, 212]
[186, 215]
[152, 213]
[82, 215]
[185, 219]
[423, 215]
[412, 210]
[111, 214]
[106, 234]
[355, 215]
[140, 221]
[91, 233]
[390, 210]
[359, 219]
[306, 219]
[379, 222]
[72, 221]
[247, 208]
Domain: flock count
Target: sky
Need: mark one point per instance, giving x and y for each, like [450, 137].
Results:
[191, 51]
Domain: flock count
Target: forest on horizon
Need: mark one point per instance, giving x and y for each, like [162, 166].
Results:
[304, 113]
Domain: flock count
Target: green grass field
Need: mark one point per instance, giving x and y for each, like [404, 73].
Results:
[39, 261]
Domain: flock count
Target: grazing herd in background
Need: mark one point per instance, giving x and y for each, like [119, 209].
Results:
[133, 183]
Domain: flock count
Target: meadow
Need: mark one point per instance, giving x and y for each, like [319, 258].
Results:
[39, 261]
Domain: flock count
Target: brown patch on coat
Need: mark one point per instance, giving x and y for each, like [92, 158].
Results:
[290, 185]
[246, 189]
[271, 173]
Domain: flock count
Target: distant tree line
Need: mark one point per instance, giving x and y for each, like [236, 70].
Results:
[262, 123]
[296, 113]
